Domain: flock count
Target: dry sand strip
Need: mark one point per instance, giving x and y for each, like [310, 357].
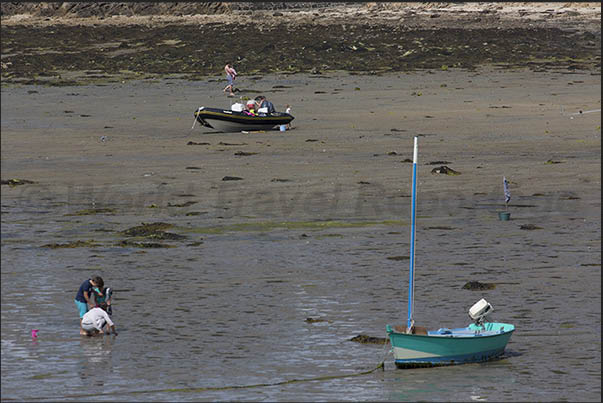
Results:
[442, 14]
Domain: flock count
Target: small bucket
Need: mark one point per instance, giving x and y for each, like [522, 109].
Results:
[504, 215]
[282, 128]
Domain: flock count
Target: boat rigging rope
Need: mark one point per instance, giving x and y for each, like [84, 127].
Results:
[195, 121]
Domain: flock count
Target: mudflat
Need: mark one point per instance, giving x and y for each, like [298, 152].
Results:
[320, 210]
[297, 241]
[347, 154]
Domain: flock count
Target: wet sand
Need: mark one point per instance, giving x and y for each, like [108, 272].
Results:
[308, 232]
[350, 138]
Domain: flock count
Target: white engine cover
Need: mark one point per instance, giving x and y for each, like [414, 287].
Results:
[480, 309]
[237, 107]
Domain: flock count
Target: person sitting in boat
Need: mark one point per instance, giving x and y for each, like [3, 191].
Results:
[262, 102]
[250, 108]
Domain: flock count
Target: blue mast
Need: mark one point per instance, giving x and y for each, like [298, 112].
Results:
[411, 282]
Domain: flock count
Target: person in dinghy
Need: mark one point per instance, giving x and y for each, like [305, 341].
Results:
[250, 108]
[264, 106]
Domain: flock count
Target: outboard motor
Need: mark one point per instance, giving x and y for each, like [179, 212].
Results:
[237, 107]
[479, 311]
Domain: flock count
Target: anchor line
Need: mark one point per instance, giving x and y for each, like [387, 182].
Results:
[215, 388]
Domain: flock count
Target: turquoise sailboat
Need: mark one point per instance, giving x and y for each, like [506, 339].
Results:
[414, 346]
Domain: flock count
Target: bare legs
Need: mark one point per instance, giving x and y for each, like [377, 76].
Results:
[229, 88]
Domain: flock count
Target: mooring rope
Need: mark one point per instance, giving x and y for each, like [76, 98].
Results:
[577, 113]
[385, 354]
[210, 388]
[260, 385]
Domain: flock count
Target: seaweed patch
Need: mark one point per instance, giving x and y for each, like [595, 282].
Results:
[73, 244]
[91, 211]
[477, 286]
[16, 182]
[364, 339]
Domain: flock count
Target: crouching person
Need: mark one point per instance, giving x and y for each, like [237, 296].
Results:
[97, 321]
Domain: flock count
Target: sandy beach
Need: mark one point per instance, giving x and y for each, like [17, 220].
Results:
[351, 137]
[317, 223]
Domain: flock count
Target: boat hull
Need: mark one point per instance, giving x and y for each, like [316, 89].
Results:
[230, 121]
[458, 346]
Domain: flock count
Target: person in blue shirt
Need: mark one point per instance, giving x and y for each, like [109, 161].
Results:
[84, 297]
[262, 102]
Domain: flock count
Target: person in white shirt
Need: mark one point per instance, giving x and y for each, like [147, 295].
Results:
[288, 110]
[96, 319]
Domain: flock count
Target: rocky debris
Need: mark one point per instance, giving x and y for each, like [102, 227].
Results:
[355, 45]
[445, 171]
[109, 9]
[488, 12]
[232, 178]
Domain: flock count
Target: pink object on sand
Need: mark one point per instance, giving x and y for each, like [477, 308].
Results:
[34, 332]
